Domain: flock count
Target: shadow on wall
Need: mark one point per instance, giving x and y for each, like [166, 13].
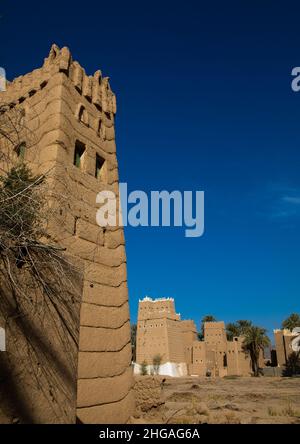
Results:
[13, 406]
[292, 367]
[38, 372]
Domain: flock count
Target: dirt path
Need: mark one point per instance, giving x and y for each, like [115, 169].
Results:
[230, 400]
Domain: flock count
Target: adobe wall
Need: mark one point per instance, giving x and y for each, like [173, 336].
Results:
[40, 364]
[162, 337]
[175, 341]
[189, 331]
[238, 362]
[217, 355]
[160, 332]
[198, 366]
[216, 342]
[152, 339]
[215, 334]
[280, 347]
[189, 334]
[283, 340]
[157, 308]
[52, 97]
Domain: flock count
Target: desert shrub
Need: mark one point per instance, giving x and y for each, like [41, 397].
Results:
[156, 362]
[272, 411]
[40, 285]
[292, 366]
[144, 368]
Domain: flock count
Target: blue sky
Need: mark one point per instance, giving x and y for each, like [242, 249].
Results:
[204, 103]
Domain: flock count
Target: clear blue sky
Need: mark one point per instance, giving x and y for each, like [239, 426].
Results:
[204, 102]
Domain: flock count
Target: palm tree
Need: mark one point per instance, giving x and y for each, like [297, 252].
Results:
[292, 321]
[237, 329]
[292, 366]
[243, 325]
[232, 330]
[133, 329]
[207, 318]
[255, 340]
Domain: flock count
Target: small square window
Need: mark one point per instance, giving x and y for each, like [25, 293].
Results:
[78, 154]
[83, 116]
[99, 166]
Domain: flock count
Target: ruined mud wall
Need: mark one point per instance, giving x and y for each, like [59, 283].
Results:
[65, 107]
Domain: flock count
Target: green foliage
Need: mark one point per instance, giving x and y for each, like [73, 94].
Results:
[133, 329]
[237, 329]
[255, 340]
[20, 202]
[156, 361]
[232, 331]
[292, 366]
[18, 178]
[200, 336]
[292, 321]
[143, 368]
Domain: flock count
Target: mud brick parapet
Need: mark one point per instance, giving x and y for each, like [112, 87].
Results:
[94, 88]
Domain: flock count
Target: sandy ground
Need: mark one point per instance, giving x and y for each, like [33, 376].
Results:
[235, 400]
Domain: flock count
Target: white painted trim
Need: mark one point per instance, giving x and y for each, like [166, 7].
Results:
[173, 369]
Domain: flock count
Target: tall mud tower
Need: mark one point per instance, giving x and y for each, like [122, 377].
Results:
[70, 118]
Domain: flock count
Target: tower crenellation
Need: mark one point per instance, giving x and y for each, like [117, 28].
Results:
[96, 89]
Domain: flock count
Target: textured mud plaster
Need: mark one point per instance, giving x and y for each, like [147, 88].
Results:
[64, 106]
[148, 393]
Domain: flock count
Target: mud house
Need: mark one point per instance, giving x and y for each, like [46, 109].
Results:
[286, 342]
[160, 331]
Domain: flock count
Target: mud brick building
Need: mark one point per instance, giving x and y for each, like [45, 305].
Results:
[69, 117]
[160, 331]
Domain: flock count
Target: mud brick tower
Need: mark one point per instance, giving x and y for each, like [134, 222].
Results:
[70, 116]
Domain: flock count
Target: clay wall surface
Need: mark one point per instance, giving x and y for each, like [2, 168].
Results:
[152, 339]
[283, 340]
[64, 106]
[159, 332]
[157, 308]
